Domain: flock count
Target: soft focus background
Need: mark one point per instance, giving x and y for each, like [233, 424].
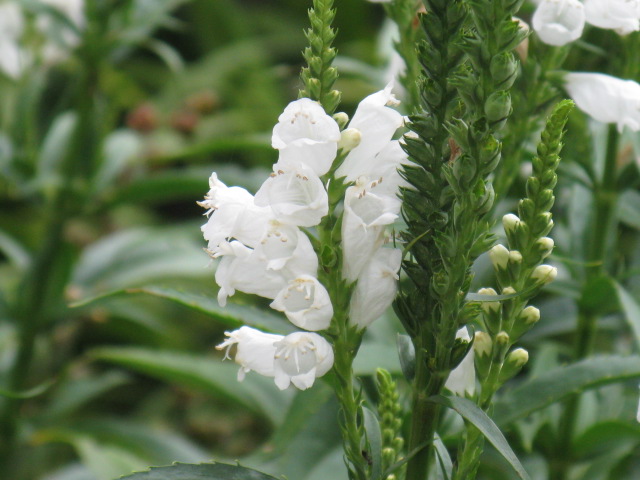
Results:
[111, 122]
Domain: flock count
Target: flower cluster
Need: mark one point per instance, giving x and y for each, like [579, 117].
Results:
[558, 22]
[264, 250]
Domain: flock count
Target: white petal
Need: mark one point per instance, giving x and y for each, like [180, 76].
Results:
[306, 303]
[376, 288]
[255, 350]
[462, 379]
[558, 22]
[619, 15]
[300, 358]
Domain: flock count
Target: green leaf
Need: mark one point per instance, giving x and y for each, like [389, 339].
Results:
[374, 355]
[557, 384]
[208, 375]
[631, 310]
[444, 459]
[374, 438]
[475, 415]
[233, 315]
[32, 392]
[204, 471]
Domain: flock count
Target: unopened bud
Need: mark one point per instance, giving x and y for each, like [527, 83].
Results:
[503, 69]
[522, 50]
[508, 291]
[544, 274]
[349, 139]
[515, 256]
[341, 119]
[502, 339]
[499, 256]
[510, 222]
[514, 362]
[530, 315]
[498, 106]
[482, 344]
[546, 245]
[489, 307]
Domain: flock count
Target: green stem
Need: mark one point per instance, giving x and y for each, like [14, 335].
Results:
[605, 200]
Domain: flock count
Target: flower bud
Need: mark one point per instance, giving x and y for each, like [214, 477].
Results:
[482, 344]
[489, 307]
[522, 50]
[513, 364]
[530, 315]
[545, 244]
[508, 291]
[544, 274]
[501, 343]
[341, 119]
[510, 222]
[499, 256]
[503, 69]
[515, 256]
[349, 139]
[498, 106]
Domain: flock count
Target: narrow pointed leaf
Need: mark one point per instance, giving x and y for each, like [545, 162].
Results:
[559, 383]
[476, 416]
[374, 438]
[631, 310]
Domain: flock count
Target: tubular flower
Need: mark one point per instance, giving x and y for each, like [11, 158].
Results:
[232, 214]
[462, 379]
[300, 358]
[255, 350]
[306, 303]
[306, 136]
[558, 22]
[376, 288]
[366, 215]
[377, 124]
[605, 98]
[296, 197]
[285, 247]
[623, 16]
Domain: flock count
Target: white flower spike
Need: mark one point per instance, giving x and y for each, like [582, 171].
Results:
[558, 22]
[300, 358]
[306, 303]
[605, 98]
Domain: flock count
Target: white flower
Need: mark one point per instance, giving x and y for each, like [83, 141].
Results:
[462, 379]
[605, 98]
[300, 358]
[619, 15]
[60, 38]
[376, 288]
[240, 269]
[306, 136]
[558, 22]
[232, 214]
[306, 303]
[12, 59]
[284, 246]
[297, 197]
[365, 216]
[255, 350]
[377, 124]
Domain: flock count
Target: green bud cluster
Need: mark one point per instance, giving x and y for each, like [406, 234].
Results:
[390, 413]
[519, 267]
[319, 76]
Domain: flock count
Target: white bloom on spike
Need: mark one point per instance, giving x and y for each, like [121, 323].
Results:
[605, 98]
[377, 123]
[296, 197]
[255, 350]
[232, 214]
[300, 358]
[240, 269]
[365, 216]
[306, 137]
[619, 15]
[462, 379]
[558, 22]
[285, 247]
[376, 288]
[306, 303]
